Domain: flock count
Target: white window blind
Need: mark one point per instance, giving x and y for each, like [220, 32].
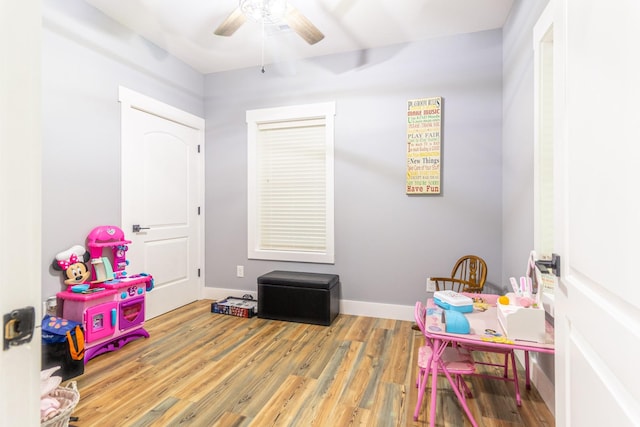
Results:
[291, 185]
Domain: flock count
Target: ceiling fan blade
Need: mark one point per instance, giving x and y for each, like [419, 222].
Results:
[302, 26]
[231, 24]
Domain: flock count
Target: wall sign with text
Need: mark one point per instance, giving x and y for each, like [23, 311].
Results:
[424, 124]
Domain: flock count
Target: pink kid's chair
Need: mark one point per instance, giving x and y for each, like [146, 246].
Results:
[454, 361]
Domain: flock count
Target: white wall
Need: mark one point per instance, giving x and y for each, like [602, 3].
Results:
[387, 243]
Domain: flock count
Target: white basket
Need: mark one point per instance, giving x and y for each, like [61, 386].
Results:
[68, 397]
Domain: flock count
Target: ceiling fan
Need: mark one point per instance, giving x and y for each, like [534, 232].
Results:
[270, 12]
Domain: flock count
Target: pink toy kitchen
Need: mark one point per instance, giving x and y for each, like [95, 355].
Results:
[111, 305]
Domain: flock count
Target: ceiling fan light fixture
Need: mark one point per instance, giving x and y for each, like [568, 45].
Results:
[267, 11]
[271, 12]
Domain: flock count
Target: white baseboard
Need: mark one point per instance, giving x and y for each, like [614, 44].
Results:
[541, 382]
[222, 293]
[356, 308]
[374, 309]
[544, 386]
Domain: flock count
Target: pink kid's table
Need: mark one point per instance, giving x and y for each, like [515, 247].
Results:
[479, 322]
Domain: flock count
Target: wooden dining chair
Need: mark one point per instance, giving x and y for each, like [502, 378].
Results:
[456, 360]
[468, 275]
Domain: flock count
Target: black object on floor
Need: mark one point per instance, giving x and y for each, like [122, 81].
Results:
[63, 346]
[299, 297]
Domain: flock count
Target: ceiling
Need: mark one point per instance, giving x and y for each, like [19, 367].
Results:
[185, 28]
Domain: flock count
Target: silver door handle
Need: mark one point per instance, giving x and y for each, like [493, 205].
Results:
[137, 228]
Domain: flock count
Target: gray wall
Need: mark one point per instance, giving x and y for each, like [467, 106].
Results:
[387, 243]
[85, 57]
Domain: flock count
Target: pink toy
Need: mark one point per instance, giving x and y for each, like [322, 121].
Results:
[112, 264]
[106, 234]
[525, 302]
[112, 309]
[72, 262]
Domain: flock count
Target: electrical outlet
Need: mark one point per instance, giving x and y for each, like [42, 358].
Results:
[431, 285]
[239, 270]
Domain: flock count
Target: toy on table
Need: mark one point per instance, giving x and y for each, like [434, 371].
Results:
[456, 322]
[451, 300]
[72, 263]
[480, 304]
[491, 335]
[523, 294]
[439, 319]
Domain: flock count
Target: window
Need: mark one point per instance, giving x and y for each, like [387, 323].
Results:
[290, 183]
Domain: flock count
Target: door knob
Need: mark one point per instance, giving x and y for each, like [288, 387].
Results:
[137, 228]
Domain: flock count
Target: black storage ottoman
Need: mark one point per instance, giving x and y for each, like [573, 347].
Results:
[299, 297]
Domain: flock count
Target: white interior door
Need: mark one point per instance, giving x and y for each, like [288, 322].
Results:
[597, 315]
[20, 205]
[162, 175]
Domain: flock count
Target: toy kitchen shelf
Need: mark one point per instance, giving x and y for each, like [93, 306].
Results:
[112, 308]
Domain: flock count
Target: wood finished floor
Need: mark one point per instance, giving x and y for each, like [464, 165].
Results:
[204, 369]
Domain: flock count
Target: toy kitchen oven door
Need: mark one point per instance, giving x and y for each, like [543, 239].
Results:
[105, 319]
